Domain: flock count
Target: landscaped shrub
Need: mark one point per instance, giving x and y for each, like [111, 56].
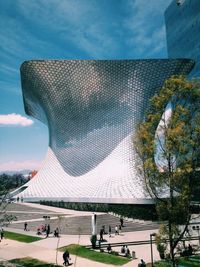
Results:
[93, 240]
[144, 212]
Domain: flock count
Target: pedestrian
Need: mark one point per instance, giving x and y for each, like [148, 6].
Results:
[123, 249]
[38, 231]
[47, 230]
[48, 227]
[121, 222]
[120, 229]
[66, 258]
[56, 232]
[109, 249]
[2, 233]
[127, 251]
[116, 230]
[25, 226]
[109, 230]
[101, 234]
[142, 264]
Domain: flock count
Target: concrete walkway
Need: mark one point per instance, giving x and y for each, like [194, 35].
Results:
[45, 249]
[71, 222]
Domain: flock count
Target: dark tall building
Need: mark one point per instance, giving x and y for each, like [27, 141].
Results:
[182, 19]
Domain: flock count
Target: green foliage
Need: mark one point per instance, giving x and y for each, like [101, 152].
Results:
[21, 237]
[30, 262]
[162, 264]
[145, 212]
[161, 249]
[95, 256]
[8, 183]
[6, 219]
[169, 148]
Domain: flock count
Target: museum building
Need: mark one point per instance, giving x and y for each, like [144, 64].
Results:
[92, 109]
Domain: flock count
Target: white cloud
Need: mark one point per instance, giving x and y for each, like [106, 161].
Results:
[15, 119]
[71, 22]
[20, 166]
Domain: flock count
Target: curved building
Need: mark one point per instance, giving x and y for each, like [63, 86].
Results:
[91, 108]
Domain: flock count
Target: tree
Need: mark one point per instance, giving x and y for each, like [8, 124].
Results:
[8, 183]
[60, 218]
[5, 184]
[168, 143]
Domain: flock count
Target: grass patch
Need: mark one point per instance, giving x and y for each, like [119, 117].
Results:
[188, 263]
[162, 264]
[21, 237]
[95, 256]
[183, 261]
[30, 262]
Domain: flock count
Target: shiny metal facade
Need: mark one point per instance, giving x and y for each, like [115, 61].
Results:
[91, 108]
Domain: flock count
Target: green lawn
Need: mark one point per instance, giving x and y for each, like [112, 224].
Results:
[183, 261]
[30, 262]
[188, 263]
[21, 237]
[95, 256]
[196, 257]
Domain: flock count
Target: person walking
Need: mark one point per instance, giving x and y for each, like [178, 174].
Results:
[47, 230]
[101, 234]
[116, 230]
[109, 230]
[2, 234]
[56, 232]
[66, 258]
[121, 222]
[120, 229]
[25, 226]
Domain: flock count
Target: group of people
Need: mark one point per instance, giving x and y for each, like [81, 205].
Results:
[125, 250]
[46, 229]
[118, 229]
[20, 199]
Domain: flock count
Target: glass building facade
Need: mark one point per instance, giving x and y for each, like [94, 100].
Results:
[91, 108]
[182, 19]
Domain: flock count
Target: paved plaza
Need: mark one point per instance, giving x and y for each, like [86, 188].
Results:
[72, 223]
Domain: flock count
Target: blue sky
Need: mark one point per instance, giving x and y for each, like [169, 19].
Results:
[65, 29]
